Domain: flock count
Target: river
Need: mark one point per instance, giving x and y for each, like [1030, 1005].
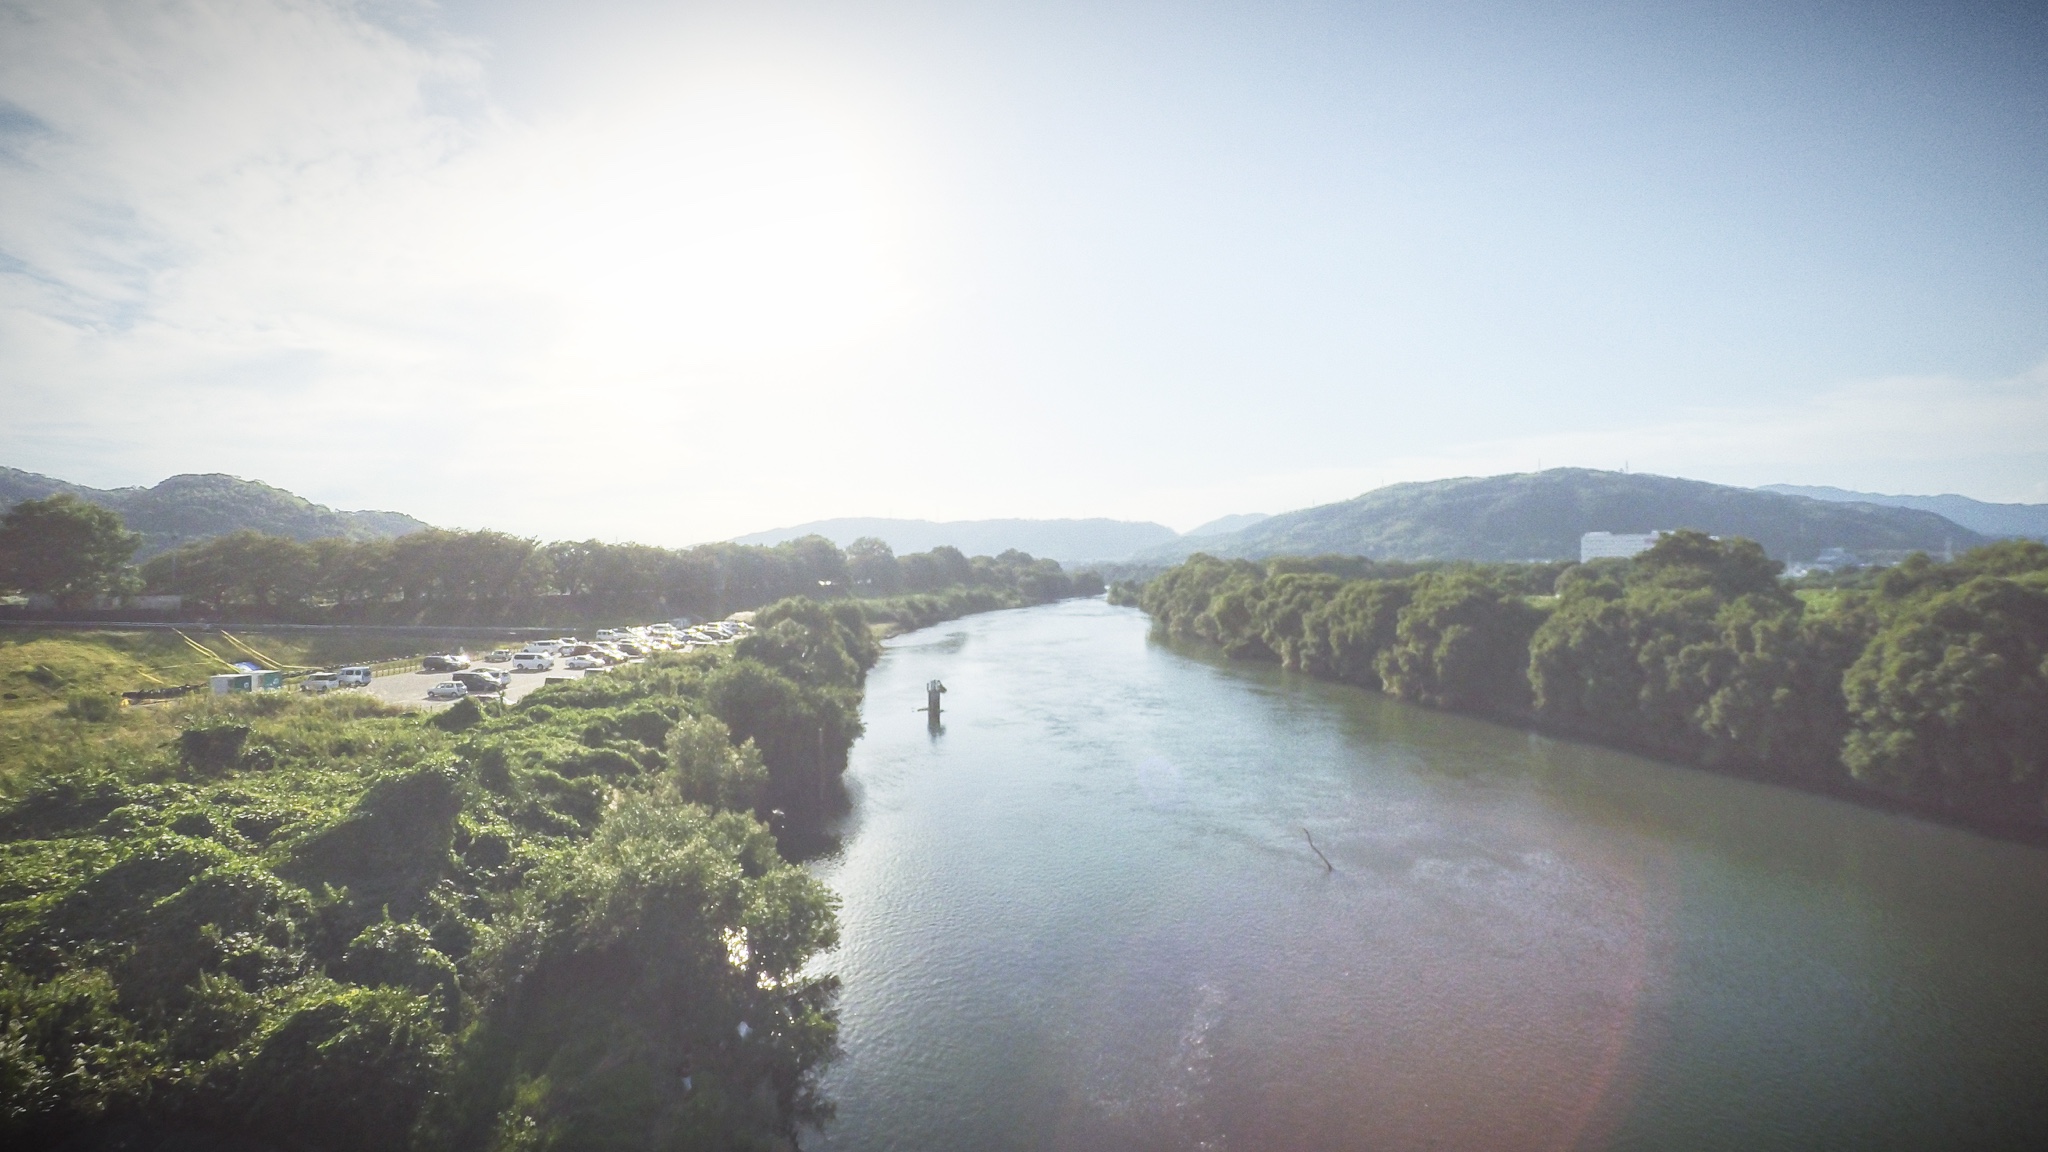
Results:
[1085, 916]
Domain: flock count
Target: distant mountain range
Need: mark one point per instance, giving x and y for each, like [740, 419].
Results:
[1062, 540]
[1541, 515]
[1538, 515]
[1223, 524]
[1976, 515]
[194, 507]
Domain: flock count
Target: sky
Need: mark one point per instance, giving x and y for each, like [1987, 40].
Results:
[674, 272]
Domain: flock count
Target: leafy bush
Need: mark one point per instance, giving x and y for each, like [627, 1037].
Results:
[212, 747]
[1929, 681]
[322, 923]
[1950, 701]
[94, 707]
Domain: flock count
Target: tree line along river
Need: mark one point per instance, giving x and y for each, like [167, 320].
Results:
[1085, 915]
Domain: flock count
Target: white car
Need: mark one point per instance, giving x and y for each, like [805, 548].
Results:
[321, 682]
[447, 690]
[532, 662]
[579, 663]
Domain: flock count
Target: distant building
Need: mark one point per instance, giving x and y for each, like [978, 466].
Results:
[1829, 560]
[1614, 545]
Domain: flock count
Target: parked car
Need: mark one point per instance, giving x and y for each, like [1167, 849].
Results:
[444, 663]
[583, 661]
[447, 690]
[479, 683]
[532, 662]
[498, 655]
[356, 676]
[321, 682]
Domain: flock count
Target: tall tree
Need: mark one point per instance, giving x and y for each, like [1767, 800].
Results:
[65, 547]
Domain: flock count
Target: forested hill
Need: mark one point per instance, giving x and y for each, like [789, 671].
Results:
[190, 508]
[2030, 520]
[1541, 515]
[1063, 540]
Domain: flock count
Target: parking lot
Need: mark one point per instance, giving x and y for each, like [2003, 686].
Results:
[410, 688]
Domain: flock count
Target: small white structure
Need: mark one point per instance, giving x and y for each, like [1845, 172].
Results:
[261, 680]
[1615, 545]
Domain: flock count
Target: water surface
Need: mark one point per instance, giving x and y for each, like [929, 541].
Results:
[1086, 916]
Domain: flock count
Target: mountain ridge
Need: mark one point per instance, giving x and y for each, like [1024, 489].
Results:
[1976, 515]
[1541, 515]
[193, 506]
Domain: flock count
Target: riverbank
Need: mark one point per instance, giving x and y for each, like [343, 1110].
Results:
[1926, 693]
[325, 923]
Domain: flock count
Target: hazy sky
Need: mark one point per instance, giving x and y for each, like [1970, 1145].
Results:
[674, 272]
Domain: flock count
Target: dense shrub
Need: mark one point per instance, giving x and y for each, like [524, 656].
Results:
[1929, 681]
[318, 923]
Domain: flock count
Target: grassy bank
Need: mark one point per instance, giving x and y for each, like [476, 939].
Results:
[323, 923]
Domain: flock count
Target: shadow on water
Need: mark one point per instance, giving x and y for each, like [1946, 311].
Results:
[813, 831]
[948, 645]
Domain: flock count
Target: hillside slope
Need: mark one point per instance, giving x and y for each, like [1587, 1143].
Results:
[1062, 540]
[1541, 515]
[191, 507]
[1976, 515]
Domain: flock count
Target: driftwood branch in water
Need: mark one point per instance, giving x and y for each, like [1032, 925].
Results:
[1327, 866]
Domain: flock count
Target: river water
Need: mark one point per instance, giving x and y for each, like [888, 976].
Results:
[1085, 916]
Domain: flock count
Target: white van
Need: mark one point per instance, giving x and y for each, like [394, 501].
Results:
[542, 645]
[321, 682]
[606, 634]
[355, 676]
[532, 662]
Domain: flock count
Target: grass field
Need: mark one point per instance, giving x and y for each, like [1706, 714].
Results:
[59, 689]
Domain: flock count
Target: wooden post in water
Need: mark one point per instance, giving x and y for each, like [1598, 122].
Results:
[932, 690]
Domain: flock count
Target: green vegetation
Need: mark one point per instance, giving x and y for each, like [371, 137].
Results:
[322, 923]
[1543, 514]
[319, 922]
[187, 508]
[490, 577]
[1927, 682]
[64, 547]
[46, 675]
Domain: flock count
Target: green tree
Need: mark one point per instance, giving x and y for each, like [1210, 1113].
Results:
[1950, 701]
[1461, 643]
[1281, 612]
[64, 547]
[1344, 637]
[872, 564]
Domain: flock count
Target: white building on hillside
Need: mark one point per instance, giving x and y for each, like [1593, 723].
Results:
[1614, 545]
